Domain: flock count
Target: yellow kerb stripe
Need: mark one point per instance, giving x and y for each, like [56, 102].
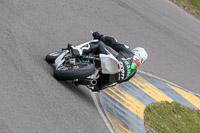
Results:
[127, 101]
[117, 125]
[189, 96]
[148, 88]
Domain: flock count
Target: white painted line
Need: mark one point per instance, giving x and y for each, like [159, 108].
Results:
[101, 112]
[151, 75]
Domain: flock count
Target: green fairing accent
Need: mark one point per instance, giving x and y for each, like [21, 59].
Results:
[127, 63]
[128, 73]
[133, 65]
[128, 68]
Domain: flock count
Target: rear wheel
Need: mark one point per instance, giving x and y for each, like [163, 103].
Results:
[50, 58]
[80, 70]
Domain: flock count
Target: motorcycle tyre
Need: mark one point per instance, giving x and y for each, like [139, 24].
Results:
[75, 73]
[51, 58]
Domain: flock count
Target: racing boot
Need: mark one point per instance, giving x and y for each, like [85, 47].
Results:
[95, 88]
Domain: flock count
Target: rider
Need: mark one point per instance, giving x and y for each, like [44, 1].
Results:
[129, 59]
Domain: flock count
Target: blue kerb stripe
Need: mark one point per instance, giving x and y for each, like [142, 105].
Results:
[169, 91]
[198, 96]
[121, 113]
[137, 93]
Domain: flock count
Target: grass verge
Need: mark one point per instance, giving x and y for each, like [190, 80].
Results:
[173, 117]
[190, 6]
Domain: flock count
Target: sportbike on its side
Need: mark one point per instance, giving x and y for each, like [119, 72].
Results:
[85, 69]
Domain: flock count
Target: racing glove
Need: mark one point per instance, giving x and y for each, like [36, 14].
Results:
[96, 35]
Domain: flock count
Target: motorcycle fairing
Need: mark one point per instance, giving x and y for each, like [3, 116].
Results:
[109, 64]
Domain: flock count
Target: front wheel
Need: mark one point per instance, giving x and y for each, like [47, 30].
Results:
[81, 70]
[50, 58]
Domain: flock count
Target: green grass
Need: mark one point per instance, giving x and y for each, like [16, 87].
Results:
[190, 6]
[196, 3]
[172, 117]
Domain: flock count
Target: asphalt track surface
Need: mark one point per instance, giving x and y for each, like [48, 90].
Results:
[31, 100]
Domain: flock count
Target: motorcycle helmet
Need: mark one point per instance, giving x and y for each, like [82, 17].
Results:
[141, 54]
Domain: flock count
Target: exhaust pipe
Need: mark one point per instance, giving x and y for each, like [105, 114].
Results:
[86, 82]
[93, 82]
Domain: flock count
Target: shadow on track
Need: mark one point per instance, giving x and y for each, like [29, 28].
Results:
[80, 91]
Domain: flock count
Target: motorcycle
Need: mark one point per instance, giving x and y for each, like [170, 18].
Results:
[83, 70]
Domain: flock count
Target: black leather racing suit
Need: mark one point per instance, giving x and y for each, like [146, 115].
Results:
[128, 65]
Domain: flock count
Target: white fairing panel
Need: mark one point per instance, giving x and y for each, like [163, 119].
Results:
[84, 44]
[59, 60]
[109, 64]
